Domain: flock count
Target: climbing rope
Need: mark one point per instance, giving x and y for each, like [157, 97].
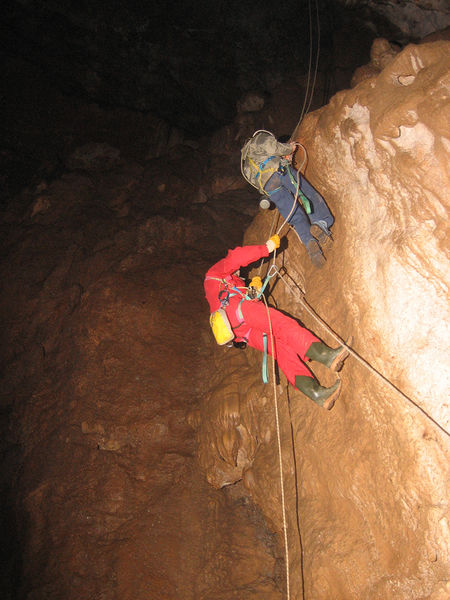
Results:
[280, 460]
[311, 94]
[317, 53]
[245, 296]
[361, 360]
[273, 270]
[309, 65]
[305, 101]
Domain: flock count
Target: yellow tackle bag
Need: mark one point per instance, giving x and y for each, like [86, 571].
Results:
[221, 327]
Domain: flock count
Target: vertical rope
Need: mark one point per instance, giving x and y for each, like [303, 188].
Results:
[304, 109]
[277, 420]
[359, 358]
[309, 66]
[317, 55]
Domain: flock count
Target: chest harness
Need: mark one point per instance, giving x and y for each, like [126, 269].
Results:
[251, 295]
[227, 292]
[260, 169]
[282, 169]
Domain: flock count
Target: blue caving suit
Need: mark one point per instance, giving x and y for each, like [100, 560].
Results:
[265, 168]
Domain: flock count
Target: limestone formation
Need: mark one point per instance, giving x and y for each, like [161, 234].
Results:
[139, 459]
[367, 484]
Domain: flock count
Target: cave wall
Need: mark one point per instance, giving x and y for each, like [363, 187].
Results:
[182, 67]
[367, 483]
[101, 357]
[186, 62]
[94, 498]
[416, 18]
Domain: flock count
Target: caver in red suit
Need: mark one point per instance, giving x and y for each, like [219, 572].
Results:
[293, 344]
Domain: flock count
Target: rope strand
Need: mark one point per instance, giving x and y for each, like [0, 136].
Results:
[310, 63]
[361, 360]
[283, 502]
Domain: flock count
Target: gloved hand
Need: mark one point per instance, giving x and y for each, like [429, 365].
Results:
[273, 243]
[256, 283]
[293, 145]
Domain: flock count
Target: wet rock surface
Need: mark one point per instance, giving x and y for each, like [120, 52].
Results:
[366, 483]
[140, 460]
[105, 357]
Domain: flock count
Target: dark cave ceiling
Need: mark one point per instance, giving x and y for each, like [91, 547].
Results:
[188, 62]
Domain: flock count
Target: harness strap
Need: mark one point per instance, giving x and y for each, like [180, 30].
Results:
[273, 191]
[259, 168]
[306, 203]
[241, 319]
[239, 312]
[224, 299]
[225, 295]
[264, 375]
[263, 163]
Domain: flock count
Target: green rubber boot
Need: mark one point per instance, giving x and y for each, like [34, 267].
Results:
[322, 396]
[333, 358]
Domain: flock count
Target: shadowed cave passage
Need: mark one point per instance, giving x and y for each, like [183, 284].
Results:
[138, 458]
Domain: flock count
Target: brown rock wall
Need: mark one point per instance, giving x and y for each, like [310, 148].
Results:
[367, 483]
[103, 361]
[108, 362]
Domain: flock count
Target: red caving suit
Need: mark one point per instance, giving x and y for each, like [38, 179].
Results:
[291, 341]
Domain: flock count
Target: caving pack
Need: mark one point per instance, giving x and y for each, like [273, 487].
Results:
[257, 172]
[221, 327]
[220, 324]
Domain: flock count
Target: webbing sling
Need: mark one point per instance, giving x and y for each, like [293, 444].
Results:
[306, 203]
[224, 302]
[264, 374]
[259, 168]
[224, 299]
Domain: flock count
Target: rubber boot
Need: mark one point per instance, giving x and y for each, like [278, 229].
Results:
[315, 253]
[322, 396]
[333, 358]
[320, 231]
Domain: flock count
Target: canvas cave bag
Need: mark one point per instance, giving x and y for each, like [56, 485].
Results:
[221, 327]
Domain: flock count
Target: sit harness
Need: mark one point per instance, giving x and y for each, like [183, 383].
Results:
[282, 170]
[261, 168]
[249, 295]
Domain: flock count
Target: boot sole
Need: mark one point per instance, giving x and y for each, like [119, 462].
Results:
[338, 361]
[329, 402]
[320, 235]
[315, 254]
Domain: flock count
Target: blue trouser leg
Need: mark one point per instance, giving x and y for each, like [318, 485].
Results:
[282, 194]
[319, 208]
